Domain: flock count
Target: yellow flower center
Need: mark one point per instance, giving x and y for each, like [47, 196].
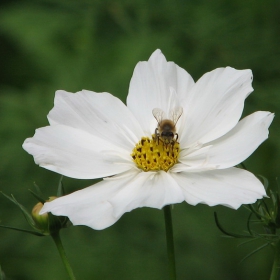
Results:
[154, 154]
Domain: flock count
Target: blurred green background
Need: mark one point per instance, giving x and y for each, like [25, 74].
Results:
[47, 45]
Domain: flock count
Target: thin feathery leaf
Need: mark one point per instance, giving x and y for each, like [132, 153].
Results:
[2, 275]
[248, 241]
[254, 252]
[23, 230]
[243, 166]
[39, 198]
[248, 223]
[258, 215]
[38, 190]
[226, 232]
[60, 189]
[265, 205]
[24, 211]
[265, 181]
[10, 198]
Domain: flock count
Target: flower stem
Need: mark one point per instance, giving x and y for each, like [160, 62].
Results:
[169, 242]
[276, 262]
[59, 246]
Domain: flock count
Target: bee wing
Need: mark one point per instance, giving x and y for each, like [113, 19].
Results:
[158, 114]
[175, 114]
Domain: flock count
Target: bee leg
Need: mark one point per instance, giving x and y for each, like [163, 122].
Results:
[173, 141]
[157, 135]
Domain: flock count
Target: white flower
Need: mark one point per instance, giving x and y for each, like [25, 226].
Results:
[94, 135]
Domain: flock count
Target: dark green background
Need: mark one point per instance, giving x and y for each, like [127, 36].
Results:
[95, 45]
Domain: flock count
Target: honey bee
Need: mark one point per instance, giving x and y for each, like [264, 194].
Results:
[166, 129]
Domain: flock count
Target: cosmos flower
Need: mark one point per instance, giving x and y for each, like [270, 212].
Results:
[143, 161]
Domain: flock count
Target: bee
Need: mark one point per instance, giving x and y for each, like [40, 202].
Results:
[166, 129]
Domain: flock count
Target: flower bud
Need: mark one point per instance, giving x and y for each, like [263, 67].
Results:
[47, 223]
[41, 221]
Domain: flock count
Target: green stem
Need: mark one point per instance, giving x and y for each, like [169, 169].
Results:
[59, 246]
[276, 262]
[169, 242]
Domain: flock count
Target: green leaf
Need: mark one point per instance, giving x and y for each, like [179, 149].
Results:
[228, 233]
[38, 197]
[2, 275]
[23, 230]
[60, 190]
[248, 223]
[243, 166]
[24, 211]
[264, 181]
[38, 190]
[254, 252]
[248, 241]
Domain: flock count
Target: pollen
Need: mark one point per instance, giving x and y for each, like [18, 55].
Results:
[153, 154]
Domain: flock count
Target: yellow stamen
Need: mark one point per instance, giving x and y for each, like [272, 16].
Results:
[154, 154]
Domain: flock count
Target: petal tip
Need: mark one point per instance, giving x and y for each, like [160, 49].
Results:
[157, 56]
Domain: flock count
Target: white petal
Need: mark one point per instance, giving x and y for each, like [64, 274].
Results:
[231, 187]
[215, 104]
[75, 153]
[152, 84]
[148, 189]
[100, 114]
[90, 206]
[234, 147]
[102, 204]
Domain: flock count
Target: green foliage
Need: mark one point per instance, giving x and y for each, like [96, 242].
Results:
[72, 45]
